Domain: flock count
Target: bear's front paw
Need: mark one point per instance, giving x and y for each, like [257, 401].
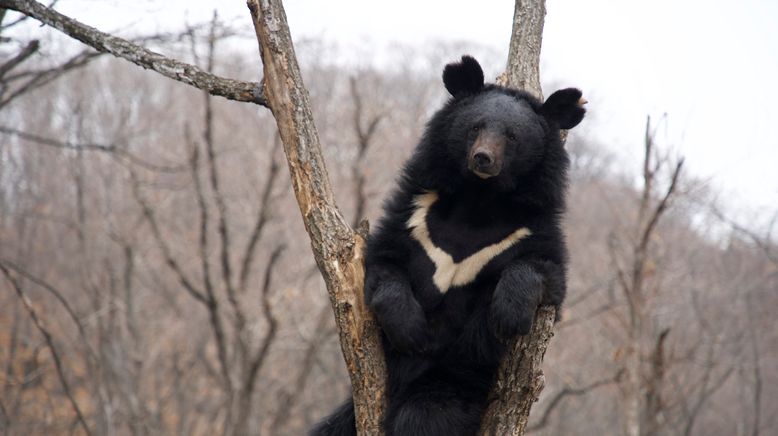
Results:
[511, 320]
[407, 335]
[515, 300]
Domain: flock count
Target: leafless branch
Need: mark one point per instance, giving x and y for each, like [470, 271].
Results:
[764, 243]
[662, 206]
[171, 262]
[111, 149]
[267, 310]
[706, 393]
[218, 196]
[757, 367]
[262, 218]
[20, 57]
[36, 79]
[58, 295]
[289, 398]
[190, 74]
[568, 391]
[364, 138]
[50, 344]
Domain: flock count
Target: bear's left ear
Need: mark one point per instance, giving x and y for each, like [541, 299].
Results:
[463, 78]
[565, 107]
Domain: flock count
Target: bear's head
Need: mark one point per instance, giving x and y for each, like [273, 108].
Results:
[496, 138]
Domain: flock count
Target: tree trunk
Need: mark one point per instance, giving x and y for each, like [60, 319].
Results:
[520, 377]
[339, 250]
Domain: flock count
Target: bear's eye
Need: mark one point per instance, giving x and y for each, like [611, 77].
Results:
[475, 128]
[511, 136]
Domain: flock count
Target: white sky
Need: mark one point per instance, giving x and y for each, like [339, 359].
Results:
[710, 65]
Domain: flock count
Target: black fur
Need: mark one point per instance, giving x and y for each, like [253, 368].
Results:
[463, 78]
[442, 349]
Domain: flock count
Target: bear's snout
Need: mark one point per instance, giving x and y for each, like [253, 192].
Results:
[486, 155]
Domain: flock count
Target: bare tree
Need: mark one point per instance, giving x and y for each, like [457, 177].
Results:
[642, 384]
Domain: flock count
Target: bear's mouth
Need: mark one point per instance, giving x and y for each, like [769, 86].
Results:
[482, 174]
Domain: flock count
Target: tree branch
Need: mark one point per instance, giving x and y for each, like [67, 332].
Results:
[567, 391]
[265, 203]
[112, 149]
[59, 296]
[364, 138]
[52, 348]
[250, 92]
[20, 57]
[171, 262]
[272, 320]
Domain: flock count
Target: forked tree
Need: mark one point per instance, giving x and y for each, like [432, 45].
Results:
[337, 247]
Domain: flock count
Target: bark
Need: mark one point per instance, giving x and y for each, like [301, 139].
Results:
[523, 69]
[337, 248]
[519, 380]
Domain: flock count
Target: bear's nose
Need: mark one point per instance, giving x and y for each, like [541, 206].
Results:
[482, 159]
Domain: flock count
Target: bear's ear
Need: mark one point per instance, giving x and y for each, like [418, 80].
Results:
[565, 107]
[463, 78]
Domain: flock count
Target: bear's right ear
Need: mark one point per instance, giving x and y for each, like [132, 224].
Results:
[565, 107]
[463, 78]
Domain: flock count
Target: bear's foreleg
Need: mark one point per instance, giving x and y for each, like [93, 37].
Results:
[522, 287]
[389, 295]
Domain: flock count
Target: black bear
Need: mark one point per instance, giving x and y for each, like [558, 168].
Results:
[470, 244]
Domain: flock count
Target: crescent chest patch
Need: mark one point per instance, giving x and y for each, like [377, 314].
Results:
[447, 272]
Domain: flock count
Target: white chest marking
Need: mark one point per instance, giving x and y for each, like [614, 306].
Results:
[447, 272]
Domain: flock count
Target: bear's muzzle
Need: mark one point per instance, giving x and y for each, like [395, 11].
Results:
[485, 158]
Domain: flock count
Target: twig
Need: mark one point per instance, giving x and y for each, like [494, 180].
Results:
[40, 78]
[567, 391]
[20, 57]
[102, 148]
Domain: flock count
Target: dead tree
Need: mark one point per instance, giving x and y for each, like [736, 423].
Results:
[644, 362]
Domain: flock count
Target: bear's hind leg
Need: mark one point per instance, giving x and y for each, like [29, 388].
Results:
[434, 406]
[341, 423]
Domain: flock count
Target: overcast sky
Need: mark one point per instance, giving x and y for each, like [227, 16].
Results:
[710, 65]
